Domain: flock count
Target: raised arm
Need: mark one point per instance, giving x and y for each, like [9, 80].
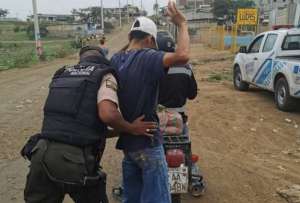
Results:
[182, 52]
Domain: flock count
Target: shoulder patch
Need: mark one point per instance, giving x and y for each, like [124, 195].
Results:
[111, 84]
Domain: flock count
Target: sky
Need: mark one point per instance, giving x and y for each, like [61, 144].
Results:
[22, 8]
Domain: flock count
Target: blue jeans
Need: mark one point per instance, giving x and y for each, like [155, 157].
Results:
[145, 176]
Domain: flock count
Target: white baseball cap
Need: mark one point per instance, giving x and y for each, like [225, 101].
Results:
[146, 25]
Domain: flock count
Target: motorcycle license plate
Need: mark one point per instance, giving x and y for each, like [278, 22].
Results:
[178, 180]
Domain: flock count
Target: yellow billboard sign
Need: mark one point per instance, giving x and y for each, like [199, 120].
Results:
[247, 16]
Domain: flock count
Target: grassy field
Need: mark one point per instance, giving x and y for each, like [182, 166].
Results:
[17, 50]
[13, 55]
[7, 32]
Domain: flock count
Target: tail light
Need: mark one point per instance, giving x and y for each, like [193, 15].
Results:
[175, 157]
[194, 158]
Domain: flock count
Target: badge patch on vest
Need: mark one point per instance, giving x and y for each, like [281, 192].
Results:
[111, 85]
[80, 70]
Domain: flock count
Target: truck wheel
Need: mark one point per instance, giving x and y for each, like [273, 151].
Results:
[176, 198]
[283, 99]
[239, 84]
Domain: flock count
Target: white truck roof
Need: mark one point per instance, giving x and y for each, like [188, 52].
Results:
[293, 31]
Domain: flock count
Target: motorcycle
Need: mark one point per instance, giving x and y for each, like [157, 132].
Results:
[184, 173]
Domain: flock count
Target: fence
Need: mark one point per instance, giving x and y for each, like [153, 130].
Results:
[231, 37]
[223, 37]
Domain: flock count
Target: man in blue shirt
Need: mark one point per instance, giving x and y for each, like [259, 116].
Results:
[140, 68]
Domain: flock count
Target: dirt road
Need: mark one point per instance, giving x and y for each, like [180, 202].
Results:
[247, 147]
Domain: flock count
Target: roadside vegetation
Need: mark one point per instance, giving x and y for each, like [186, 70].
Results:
[21, 55]
[17, 45]
[220, 76]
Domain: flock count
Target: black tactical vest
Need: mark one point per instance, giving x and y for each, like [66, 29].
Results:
[70, 112]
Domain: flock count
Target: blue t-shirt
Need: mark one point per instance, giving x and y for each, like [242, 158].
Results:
[139, 73]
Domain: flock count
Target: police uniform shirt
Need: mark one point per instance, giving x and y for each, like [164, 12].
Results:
[108, 89]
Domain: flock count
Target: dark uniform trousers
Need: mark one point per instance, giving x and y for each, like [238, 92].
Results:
[56, 170]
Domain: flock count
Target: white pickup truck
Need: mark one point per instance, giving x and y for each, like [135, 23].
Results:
[271, 62]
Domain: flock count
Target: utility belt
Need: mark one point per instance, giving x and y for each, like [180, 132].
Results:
[69, 164]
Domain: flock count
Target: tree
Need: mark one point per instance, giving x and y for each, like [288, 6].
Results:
[222, 8]
[3, 12]
[242, 4]
[89, 15]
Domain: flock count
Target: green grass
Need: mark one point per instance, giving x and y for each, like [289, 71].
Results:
[14, 53]
[7, 31]
[23, 55]
[217, 76]
[13, 36]
[18, 51]
[55, 50]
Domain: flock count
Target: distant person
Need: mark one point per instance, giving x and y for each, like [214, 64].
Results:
[178, 85]
[82, 102]
[103, 46]
[140, 68]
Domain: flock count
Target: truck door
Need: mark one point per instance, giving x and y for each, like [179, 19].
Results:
[252, 57]
[264, 63]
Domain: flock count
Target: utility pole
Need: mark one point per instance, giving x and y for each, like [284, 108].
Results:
[156, 12]
[102, 16]
[38, 42]
[273, 13]
[120, 12]
[195, 9]
[156, 8]
[127, 12]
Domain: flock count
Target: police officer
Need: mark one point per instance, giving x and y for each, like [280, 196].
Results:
[178, 85]
[82, 101]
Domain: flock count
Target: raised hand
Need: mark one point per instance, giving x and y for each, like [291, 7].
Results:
[175, 15]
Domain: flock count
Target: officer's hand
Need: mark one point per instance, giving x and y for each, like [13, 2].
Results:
[176, 16]
[140, 127]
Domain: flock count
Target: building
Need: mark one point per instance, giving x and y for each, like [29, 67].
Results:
[6, 19]
[56, 18]
[284, 12]
[195, 19]
[130, 10]
[194, 4]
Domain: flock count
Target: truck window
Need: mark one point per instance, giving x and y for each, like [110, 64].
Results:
[270, 42]
[255, 46]
[291, 42]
